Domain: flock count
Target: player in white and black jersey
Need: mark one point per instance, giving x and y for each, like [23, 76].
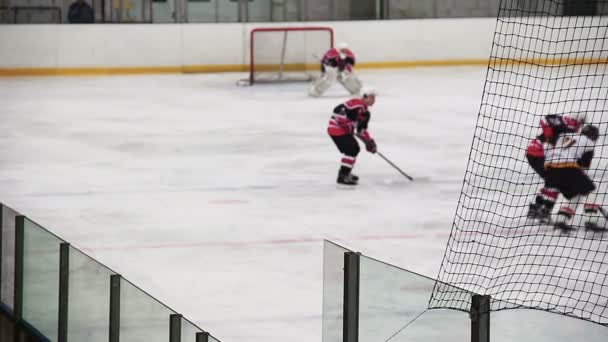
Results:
[551, 127]
[566, 163]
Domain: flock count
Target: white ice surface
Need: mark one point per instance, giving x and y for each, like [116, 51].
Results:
[216, 198]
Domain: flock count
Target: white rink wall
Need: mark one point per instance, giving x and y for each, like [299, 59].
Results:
[225, 47]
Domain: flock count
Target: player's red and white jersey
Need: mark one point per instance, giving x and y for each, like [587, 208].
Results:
[568, 150]
[551, 126]
[349, 116]
[535, 148]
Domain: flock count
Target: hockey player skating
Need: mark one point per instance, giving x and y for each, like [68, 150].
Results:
[337, 64]
[552, 126]
[350, 118]
[565, 170]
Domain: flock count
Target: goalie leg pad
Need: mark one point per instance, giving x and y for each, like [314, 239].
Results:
[351, 82]
[321, 84]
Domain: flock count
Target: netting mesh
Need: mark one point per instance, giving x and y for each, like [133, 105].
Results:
[288, 54]
[548, 57]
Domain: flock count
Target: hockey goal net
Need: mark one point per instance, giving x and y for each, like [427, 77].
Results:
[287, 54]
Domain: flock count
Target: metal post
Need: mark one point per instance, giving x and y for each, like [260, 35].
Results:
[202, 336]
[19, 256]
[480, 318]
[351, 297]
[175, 328]
[64, 285]
[115, 280]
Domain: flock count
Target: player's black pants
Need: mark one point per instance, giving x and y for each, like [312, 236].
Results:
[350, 148]
[570, 181]
[347, 144]
[538, 164]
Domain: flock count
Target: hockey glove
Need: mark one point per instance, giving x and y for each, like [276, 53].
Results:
[370, 146]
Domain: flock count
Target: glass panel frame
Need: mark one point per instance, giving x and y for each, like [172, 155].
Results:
[333, 291]
[142, 317]
[88, 299]
[41, 279]
[394, 304]
[7, 285]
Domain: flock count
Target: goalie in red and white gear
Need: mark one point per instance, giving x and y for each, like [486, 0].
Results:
[337, 64]
[566, 163]
[552, 126]
[350, 118]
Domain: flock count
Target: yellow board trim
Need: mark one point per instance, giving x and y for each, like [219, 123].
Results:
[100, 71]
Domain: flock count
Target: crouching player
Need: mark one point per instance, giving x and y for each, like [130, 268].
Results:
[565, 165]
[337, 64]
[551, 127]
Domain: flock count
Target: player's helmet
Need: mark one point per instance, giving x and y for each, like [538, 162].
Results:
[591, 131]
[342, 46]
[578, 116]
[365, 92]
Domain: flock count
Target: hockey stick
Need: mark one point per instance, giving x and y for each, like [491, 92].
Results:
[603, 212]
[395, 166]
[388, 161]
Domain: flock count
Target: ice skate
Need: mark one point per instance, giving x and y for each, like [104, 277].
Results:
[564, 218]
[346, 179]
[533, 210]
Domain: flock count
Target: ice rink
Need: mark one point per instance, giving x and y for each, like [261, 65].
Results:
[216, 198]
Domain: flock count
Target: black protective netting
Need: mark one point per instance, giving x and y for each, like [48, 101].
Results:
[547, 57]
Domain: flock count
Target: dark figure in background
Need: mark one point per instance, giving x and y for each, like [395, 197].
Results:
[81, 12]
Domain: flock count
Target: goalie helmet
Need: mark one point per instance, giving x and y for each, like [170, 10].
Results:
[591, 132]
[365, 92]
[342, 46]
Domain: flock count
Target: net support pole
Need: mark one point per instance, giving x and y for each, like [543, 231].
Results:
[175, 328]
[19, 256]
[283, 51]
[351, 297]
[202, 336]
[64, 285]
[114, 325]
[480, 318]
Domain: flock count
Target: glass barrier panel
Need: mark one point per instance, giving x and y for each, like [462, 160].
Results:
[410, 9]
[7, 289]
[393, 300]
[88, 299]
[322, 10]
[142, 317]
[213, 339]
[213, 11]
[41, 279]
[274, 11]
[189, 331]
[437, 325]
[333, 291]
[542, 326]
[131, 11]
[163, 11]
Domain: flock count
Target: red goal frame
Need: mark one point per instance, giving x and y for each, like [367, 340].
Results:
[280, 29]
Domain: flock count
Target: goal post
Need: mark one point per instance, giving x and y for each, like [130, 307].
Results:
[287, 54]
